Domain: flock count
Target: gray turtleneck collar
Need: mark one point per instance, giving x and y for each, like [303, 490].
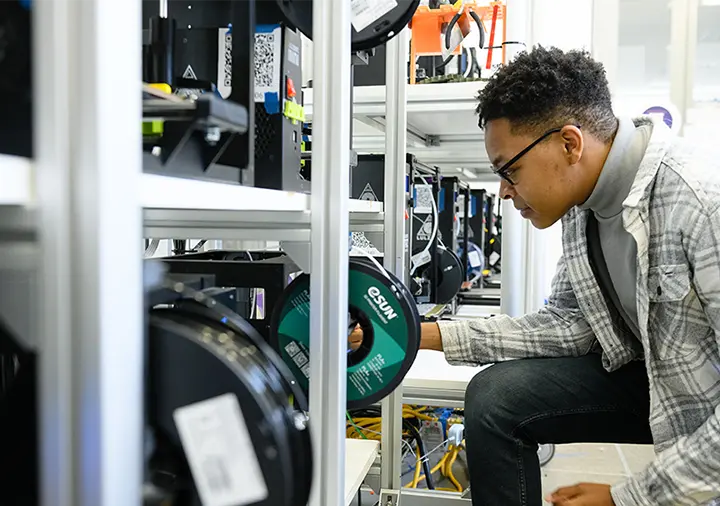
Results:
[619, 170]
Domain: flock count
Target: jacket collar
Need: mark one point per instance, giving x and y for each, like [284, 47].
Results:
[654, 154]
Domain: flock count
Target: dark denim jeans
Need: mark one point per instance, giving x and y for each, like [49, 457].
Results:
[512, 407]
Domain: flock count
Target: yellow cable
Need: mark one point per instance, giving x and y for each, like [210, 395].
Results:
[432, 471]
[450, 451]
[416, 476]
[448, 466]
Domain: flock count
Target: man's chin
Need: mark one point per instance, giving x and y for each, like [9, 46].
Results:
[541, 222]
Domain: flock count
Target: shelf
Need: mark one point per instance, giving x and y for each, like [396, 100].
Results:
[360, 455]
[15, 180]
[442, 123]
[184, 208]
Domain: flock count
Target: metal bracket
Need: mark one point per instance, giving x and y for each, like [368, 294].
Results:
[300, 252]
[432, 141]
[389, 497]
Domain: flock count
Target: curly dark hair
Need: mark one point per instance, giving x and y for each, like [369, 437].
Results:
[546, 88]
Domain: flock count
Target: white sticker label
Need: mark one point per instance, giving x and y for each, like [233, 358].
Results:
[268, 51]
[460, 202]
[220, 453]
[293, 54]
[474, 259]
[494, 257]
[366, 12]
[423, 199]
[420, 259]
[224, 79]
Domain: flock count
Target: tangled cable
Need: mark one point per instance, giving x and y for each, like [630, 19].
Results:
[367, 424]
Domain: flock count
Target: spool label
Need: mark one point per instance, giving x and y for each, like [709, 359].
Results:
[474, 259]
[386, 352]
[220, 452]
[366, 12]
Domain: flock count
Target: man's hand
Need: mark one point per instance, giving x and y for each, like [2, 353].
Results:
[355, 339]
[583, 494]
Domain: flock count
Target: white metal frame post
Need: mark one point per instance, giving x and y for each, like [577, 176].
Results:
[329, 235]
[88, 162]
[394, 240]
[683, 49]
[516, 279]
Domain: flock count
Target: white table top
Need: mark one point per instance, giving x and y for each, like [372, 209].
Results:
[431, 370]
[359, 457]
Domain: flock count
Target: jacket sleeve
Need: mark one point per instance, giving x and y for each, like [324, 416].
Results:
[689, 471]
[556, 330]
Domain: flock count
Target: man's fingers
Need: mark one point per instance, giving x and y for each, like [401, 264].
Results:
[355, 339]
[564, 494]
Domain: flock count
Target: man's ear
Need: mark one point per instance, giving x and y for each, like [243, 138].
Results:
[573, 143]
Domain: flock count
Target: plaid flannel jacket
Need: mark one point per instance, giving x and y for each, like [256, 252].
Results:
[673, 212]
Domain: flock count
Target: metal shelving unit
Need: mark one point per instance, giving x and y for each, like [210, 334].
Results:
[183, 208]
[76, 296]
[64, 214]
[441, 123]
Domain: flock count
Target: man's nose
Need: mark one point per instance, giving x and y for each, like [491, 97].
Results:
[507, 191]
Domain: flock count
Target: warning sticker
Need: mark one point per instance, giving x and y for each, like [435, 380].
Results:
[366, 12]
[189, 73]
[368, 193]
[425, 232]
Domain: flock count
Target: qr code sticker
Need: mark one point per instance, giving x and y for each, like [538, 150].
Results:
[423, 199]
[268, 45]
[306, 370]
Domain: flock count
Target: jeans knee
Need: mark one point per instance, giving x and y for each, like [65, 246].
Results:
[495, 395]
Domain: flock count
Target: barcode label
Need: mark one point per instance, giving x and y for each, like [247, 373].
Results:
[220, 453]
[460, 203]
[224, 79]
[423, 199]
[366, 12]
[268, 50]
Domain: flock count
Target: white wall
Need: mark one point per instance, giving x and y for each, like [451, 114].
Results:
[567, 24]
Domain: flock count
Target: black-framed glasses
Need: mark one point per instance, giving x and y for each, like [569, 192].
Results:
[503, 171]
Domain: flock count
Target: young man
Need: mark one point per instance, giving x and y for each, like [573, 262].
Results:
[627, 349]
